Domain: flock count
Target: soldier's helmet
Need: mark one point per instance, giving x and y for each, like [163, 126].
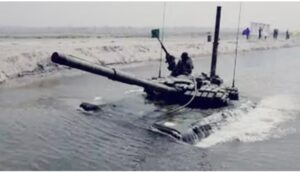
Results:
[184, 56]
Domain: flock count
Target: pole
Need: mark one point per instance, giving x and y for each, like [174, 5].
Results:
[236, 46]
[215, 44]
[162, 39]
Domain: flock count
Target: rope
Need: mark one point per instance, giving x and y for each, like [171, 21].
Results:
[236, 45]
[189, 102]
[162, 38]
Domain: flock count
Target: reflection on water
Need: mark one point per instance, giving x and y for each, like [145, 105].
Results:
[41, 128]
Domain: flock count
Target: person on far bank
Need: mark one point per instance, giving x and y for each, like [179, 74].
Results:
[246, 32]
[275, 33]
[287, 35]
[184, 66]
[260, 32]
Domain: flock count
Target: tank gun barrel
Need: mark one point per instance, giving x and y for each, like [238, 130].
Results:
[110, 73]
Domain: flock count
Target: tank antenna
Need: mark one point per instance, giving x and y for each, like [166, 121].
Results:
[215, 44]
[236, 45]
[162, 38]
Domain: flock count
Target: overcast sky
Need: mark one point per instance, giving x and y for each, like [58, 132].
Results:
[284, 15]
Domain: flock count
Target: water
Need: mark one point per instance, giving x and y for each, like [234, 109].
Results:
[41, 127]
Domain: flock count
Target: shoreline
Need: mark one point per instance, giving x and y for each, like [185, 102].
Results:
[33, 60]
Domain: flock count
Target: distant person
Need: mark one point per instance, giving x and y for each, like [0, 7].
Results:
[287, 35]
[208, 37]
[183, 67]
[260, 32]
[275, 33]
[246, 32]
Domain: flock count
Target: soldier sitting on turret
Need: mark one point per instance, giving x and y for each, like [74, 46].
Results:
[183, 67]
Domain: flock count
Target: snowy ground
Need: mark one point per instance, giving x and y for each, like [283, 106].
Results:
[21, 56]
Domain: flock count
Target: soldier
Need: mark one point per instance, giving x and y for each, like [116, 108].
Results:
[246, 32]
[275, 33]
[183, 67]
[260, 32]
[287, 35]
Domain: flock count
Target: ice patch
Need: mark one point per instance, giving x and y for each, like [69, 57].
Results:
[254, 123]
[97, 98]
[133, 91]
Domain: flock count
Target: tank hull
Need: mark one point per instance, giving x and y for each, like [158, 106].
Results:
[205, 96]
[182, 98]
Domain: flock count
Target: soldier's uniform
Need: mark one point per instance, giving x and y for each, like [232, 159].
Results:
[183, 67]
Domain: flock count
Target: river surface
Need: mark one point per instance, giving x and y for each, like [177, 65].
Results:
[41, 127]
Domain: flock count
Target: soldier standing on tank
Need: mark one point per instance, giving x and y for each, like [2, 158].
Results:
[183, 67]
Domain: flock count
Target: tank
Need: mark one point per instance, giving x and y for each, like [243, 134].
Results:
[198, 91]
[202, 91]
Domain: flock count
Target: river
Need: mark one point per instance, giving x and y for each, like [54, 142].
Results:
[41, 127]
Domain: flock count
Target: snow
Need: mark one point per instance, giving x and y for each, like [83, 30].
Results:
[20, 56]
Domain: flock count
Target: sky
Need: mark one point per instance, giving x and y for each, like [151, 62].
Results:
[282, 15]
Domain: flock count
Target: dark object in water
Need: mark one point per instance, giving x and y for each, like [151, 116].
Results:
[89, 107]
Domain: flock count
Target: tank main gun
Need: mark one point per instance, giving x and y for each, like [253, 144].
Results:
[110, 73]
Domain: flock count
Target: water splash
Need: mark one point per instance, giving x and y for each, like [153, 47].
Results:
[251, 124]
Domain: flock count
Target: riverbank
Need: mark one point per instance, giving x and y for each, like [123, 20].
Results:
[30, 56]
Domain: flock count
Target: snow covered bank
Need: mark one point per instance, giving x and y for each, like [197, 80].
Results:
[19, 57]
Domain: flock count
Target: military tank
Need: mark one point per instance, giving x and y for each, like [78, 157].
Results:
[199, 91]
[204, 91]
